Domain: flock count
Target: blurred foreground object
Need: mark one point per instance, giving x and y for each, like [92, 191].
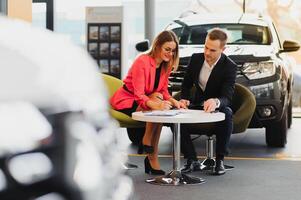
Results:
[57, 140]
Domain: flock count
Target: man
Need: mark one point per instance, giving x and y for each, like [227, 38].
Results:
[213, 75]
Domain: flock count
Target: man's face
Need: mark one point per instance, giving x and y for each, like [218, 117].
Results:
[213, 50]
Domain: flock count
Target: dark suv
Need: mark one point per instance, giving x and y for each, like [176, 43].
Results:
[263, 65]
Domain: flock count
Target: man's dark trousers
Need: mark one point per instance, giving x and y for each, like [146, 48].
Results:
[222, 130]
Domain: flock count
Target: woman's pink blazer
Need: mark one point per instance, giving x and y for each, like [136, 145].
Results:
[140, 82]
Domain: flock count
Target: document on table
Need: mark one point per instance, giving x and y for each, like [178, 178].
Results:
[162, 113]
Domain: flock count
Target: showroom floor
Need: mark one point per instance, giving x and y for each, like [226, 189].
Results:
[260, 172]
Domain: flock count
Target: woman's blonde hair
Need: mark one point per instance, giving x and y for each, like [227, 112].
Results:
[156, 48]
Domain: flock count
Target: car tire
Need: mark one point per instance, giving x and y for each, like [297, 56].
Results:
[290, 114]
[136, 135]
[276, 133]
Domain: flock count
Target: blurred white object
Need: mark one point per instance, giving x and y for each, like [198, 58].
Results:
[22, 127]
[44, 68]
[54, 116]
[30, 168]
[3, 183]
[51, 196]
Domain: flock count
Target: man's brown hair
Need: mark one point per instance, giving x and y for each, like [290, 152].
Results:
[218, 34]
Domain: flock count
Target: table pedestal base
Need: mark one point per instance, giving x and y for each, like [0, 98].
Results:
[175, 178]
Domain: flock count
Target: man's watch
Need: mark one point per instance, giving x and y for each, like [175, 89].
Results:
[217, 102]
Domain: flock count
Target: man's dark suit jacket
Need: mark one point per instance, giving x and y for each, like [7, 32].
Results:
[220, 83]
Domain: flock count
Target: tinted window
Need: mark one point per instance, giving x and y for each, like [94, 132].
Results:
[237, 33]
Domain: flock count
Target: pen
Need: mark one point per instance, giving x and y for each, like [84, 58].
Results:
[160, 98]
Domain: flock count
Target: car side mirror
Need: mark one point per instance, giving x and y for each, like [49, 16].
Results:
[289, 46]
[142, 46]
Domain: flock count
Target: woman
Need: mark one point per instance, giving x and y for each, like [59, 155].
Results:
[145, 88]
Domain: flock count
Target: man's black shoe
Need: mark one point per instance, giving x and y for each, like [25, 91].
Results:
[191, 166]
[219, 168]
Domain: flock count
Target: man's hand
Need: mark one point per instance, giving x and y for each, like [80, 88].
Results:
[210, 105]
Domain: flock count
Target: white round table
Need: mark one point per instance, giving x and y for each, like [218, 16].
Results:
[175, 177]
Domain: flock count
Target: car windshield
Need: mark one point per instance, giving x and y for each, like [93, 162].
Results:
[237, 34]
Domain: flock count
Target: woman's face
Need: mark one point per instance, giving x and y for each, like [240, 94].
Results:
[167, 51]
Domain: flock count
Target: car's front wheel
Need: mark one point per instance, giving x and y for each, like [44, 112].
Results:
[276, 133]
[290, 114]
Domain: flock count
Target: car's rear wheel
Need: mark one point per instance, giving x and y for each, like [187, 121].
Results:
[276, 133]
[136, 135]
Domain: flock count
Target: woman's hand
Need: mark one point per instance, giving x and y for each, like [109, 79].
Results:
[159, 105]
[165, 105]
[185, 102]
[179, 104]
[156, 102]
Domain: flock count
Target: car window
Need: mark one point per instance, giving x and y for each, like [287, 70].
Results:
[237, 33]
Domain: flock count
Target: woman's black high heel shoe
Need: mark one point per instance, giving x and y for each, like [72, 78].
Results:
[150, 170]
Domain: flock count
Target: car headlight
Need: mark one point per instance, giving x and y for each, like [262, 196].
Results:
[259, 70]
[263, 91]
